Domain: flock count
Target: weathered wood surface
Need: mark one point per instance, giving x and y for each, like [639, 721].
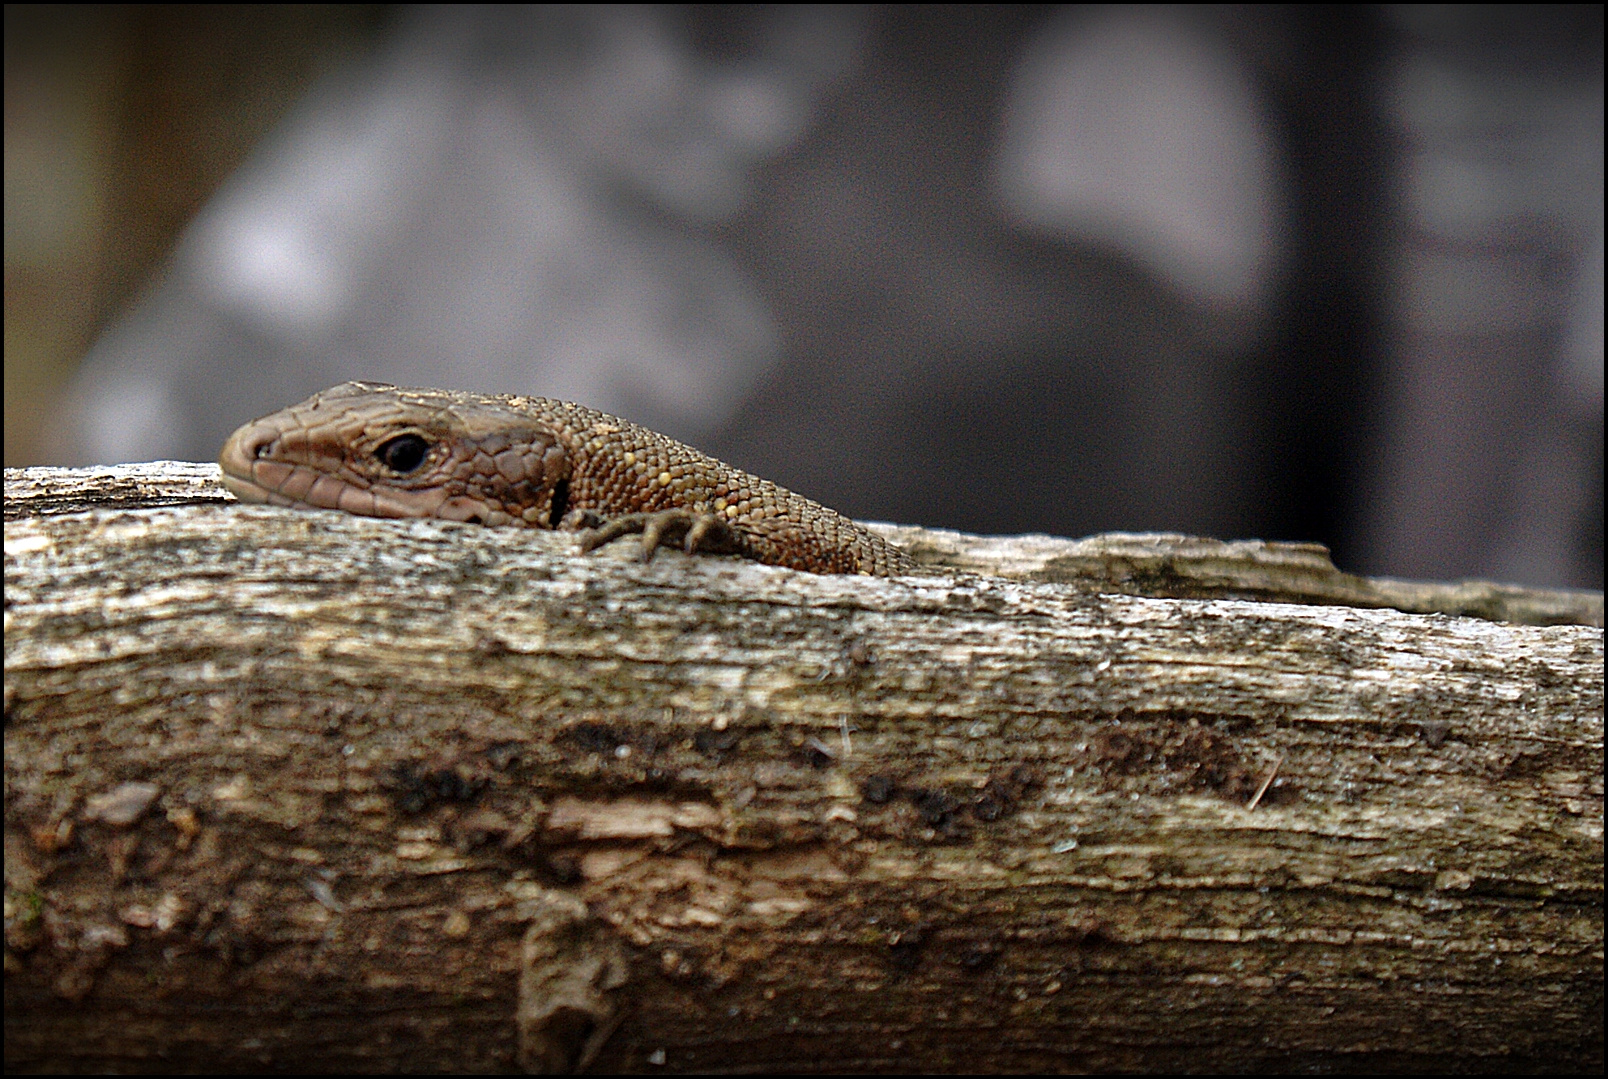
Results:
[306, 791]
[1140, 564]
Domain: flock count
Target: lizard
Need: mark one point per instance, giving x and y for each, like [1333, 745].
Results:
[378, 450]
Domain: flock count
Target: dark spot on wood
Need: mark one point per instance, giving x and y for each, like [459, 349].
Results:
[1091, 936]
[594, 737]
[560, 868]
[713, 743]
[1004, 791]
[976, 958]
[1183, 756]
[415, 788]
[1118, 751]
[935, 807]
[879, 789]
[905, 952]
[818, 755]
[988, 807]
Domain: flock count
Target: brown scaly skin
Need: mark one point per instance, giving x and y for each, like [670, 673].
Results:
[385, 451]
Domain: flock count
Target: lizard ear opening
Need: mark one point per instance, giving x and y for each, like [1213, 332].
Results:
[403, 454]
[560, 503]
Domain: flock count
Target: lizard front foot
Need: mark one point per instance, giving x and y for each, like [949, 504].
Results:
[697, 532]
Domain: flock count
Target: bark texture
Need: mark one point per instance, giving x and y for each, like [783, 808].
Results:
[303, 791]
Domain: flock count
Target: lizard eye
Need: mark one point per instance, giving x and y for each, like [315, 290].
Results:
[404, 453]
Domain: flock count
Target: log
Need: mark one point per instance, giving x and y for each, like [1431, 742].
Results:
[302, 791]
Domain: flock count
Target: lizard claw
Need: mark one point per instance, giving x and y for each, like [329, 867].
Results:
[703, 528]
[699, 532]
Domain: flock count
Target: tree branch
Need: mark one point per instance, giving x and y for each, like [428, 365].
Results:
[302, 790]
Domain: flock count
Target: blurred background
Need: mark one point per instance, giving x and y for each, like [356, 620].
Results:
[1297, 272]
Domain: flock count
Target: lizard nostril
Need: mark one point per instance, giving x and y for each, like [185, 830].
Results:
[252, 443]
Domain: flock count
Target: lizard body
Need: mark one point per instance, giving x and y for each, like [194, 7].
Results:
[385, 451]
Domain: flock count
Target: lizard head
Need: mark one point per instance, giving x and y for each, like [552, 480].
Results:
[385, 451]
